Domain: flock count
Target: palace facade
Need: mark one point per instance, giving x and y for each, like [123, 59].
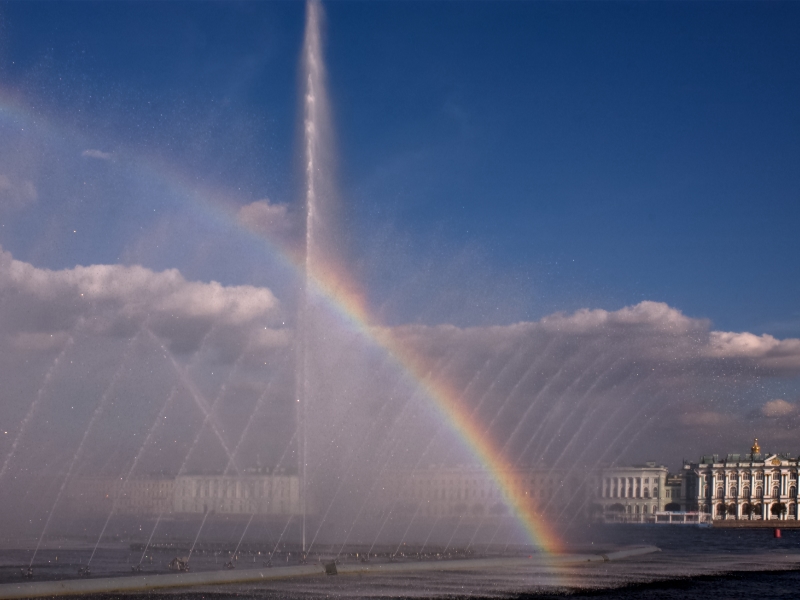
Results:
[750, 486]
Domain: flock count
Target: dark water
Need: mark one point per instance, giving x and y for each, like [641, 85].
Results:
[694, 563]
[776, 585]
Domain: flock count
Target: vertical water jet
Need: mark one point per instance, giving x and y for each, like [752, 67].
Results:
[315, 180]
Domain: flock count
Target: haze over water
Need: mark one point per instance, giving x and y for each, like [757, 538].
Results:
[236, 246]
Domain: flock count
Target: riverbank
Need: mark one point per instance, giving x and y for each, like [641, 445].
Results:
[745, 524]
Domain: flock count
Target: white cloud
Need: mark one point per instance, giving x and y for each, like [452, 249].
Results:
[778, 408]
[656, 316]
[99, 154]
[764, 350]
[118, 299]
[644, 378]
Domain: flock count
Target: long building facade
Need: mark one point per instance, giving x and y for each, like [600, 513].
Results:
[254, 494]
[755, 486]
[611, 494]
[249, 493]
[469, 492]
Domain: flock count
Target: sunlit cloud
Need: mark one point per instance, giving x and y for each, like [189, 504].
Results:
[778, 408]
[119, 300]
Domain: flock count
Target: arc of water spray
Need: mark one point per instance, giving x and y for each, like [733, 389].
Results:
[422, 456]
[280, 461]
[575, 437]
[95, 415]
[246, 527]
[280, 537]
[332, 441]
[535, 402]
[35, 404]
[136, 459]
[632, 439]
[452, 535]
[536, 433]
[195, 394]
[410, 402]
[545, 423]
[544, 352]
[196, 537]
[474, 411]
[184, 379]
[427, 448]
[376, 480]
[590, 418]
[628, 424]
[516, 387]
[246, 429]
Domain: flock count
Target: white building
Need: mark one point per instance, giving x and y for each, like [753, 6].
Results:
[259, 494]
[749, 486]
[141, 496]
[237, 494]
[629, 493]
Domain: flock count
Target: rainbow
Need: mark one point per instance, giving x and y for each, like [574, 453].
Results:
[344, 299]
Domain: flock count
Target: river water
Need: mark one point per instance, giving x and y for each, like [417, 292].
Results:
[701, 563]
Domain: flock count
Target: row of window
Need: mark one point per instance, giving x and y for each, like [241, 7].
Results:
[758, 476]
[746, 509]
[759, 493]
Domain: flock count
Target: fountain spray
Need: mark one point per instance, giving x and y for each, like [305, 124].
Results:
[314, 108]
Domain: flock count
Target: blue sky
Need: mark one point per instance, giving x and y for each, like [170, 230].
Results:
[497, 161]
